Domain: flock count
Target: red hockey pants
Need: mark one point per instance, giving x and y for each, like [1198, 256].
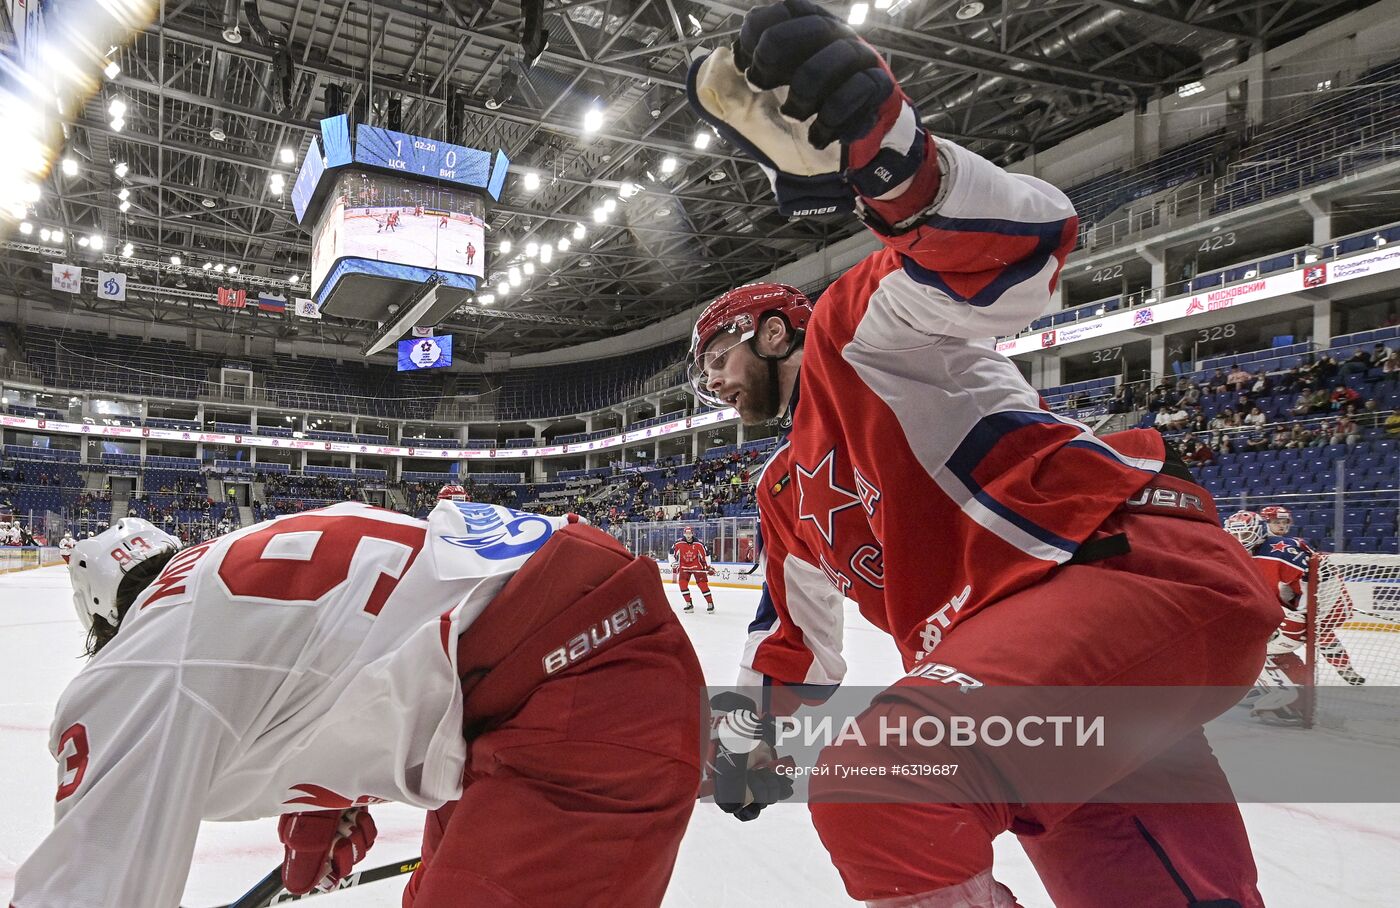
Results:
[1183, 607]
[580, 780]
[702, 580]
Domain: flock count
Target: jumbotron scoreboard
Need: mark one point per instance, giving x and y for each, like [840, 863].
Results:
[397, 223]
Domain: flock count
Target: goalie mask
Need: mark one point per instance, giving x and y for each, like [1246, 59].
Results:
[1247, 527]
[99, 563]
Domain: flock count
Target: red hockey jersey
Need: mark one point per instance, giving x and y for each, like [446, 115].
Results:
[921, 477]
[690, 556]
[1282, 562]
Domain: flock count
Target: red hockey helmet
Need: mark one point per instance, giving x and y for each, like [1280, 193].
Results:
[738, 313]
[1277, 513]
[452, 492]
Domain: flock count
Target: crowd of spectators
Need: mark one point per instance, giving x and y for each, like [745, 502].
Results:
[1321, 407]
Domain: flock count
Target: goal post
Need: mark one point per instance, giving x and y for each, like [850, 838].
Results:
[1353, 643]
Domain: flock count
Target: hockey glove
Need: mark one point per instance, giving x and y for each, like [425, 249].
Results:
[820, 112]
[742, 765]
[321, 847]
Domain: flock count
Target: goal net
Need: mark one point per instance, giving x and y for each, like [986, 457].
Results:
[1353, 644]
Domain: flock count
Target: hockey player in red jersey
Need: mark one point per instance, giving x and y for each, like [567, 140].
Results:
[1283, 565]
[520, 677]
[919, 476]
[688, 559]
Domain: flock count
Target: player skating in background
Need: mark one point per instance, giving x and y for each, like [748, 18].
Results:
[521, 677]
[920, 477]
[690, 559]
[66, 545]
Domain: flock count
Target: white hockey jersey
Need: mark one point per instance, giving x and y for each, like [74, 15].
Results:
[304, 663]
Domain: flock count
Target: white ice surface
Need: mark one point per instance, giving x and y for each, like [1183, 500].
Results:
[1309, 855]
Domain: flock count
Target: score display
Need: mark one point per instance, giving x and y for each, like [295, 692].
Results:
[419, 156]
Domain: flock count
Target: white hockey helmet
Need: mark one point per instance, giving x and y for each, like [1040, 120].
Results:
[1247, 527]
[99, 562]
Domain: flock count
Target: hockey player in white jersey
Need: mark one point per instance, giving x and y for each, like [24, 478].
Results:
[66, 545]
[519, 676]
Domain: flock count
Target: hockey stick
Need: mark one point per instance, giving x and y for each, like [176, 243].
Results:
[268, 890]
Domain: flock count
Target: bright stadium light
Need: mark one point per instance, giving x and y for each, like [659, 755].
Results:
[208, 265]
[57, 235]
[580, 232]
[532, 249]
[232, 269]
[95, 241]
[529, 269]
[1189, 89]
[175, 260]
[486, 299]
[609, 205]
[127, 250]
[124, 194]
[513, 275]
[111, 70]
[546, 254]
[628, 189]
[668, 165]
[563, 244]
[287, 155]
[44, 234]
[505, 247]
[702, 138]
[26, 228]
[120, 169]
[532, 181]
[117, 108]
[124, 206]
[600, 216]
[70, 166]
[503, 289]
[593, 119]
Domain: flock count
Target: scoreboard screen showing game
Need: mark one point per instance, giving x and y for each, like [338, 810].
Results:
[425, 353]
[421, 157]
[399, 226]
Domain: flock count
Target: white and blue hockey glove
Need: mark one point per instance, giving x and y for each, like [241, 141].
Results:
[815, 106]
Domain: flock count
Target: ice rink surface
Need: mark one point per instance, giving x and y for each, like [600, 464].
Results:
[1309, 856]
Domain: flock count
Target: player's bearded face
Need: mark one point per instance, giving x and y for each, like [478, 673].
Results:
[739, 378]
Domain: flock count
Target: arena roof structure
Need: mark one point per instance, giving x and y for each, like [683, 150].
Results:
[213, 94]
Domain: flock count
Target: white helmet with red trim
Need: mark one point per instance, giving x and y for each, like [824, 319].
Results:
[452, 492]
[1247, 527]
[738, 314]
[688, 532]
[1278, 518]
[99, 563]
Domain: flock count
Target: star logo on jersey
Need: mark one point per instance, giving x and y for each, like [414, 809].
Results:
[819, 497]
[1279, 547]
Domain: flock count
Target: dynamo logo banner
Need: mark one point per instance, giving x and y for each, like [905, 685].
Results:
[425, 353]
[498, 533]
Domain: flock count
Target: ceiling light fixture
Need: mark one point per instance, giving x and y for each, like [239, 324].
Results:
[505, 247]
[858, 12]
[287, 155]
[593, 120]
[580, 232]
[120, 169]
[70, 166]
[702, 138]
[175, 260]
[668, 165]
[532, 181]
[970, 9]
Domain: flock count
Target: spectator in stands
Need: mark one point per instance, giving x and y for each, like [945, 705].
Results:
[1281, 438]
[1342, 397]
[1217, 382]
[1391, 364]
[1359, 363]
[1345, 430]
[1238, 378]
[1324, 370]
[1262, 383]
[1256, 418]
[1392, 424]
[1370, 416]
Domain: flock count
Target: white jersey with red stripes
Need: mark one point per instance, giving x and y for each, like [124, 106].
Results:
[921, 477]
[307, 662]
